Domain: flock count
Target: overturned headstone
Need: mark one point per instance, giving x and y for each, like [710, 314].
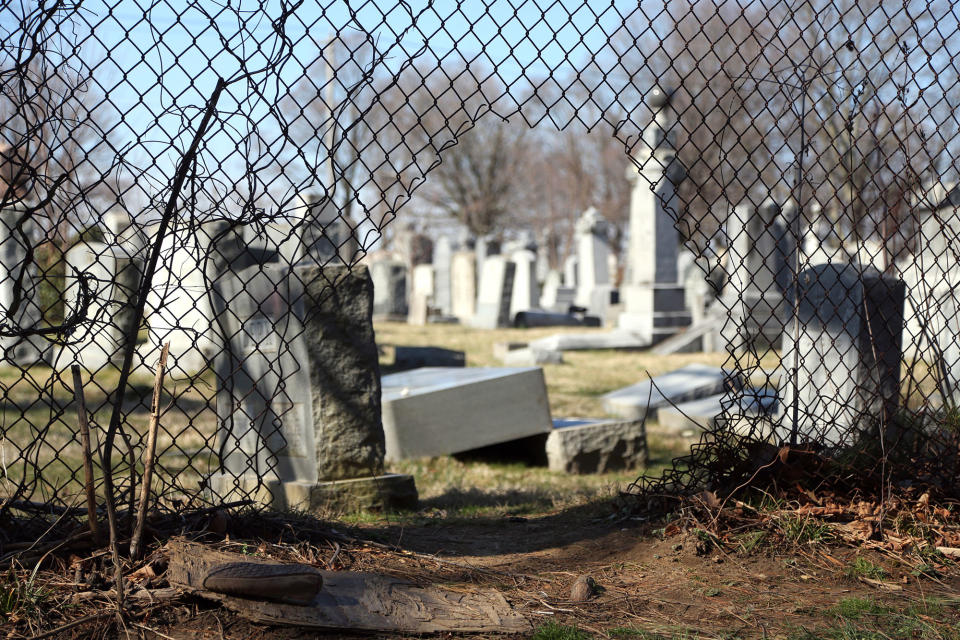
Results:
[406, 358]
[581, 445]
[645, 398]
[298, 398]
[625, 340]
[694, 416]
[439, 411]
[841, 355]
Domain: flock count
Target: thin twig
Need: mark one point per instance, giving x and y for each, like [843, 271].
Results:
[87, 456]
[136, 546]
[146, 282]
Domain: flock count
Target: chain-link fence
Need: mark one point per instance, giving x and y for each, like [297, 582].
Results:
[210, 175]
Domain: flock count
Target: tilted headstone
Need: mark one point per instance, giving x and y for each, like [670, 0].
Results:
[526, 290]
[463, 285]
[496, 291]
[389, 289]
[439, 411]
[841, 355]
[654, 305]
[298, 399]
[113, 273]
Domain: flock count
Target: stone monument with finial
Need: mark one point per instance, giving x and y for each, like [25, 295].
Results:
[652, 294]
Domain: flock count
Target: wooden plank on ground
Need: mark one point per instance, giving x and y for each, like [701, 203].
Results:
[352, 600]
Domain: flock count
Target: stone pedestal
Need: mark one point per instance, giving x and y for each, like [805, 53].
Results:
[846, 356]
[653, 296]
[579, 445]
[298, 381]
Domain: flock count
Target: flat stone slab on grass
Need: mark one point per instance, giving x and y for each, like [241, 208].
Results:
[689, 383]
[590, 341]
[584, 445]
[697, 415]
[439, 411]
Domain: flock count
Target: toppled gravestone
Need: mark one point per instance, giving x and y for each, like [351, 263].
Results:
[439, 411]
[298, 398]
[647, 397]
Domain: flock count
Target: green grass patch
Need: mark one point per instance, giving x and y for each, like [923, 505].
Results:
[554, 631]
[856, 608]
[863, 568]
[805, 530]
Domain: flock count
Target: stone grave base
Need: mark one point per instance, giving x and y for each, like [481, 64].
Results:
[579, 445]
[390, 491]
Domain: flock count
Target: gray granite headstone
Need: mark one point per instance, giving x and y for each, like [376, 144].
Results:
[846, 355]
[298, 400]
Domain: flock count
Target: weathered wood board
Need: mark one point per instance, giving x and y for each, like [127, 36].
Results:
[351, 600]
